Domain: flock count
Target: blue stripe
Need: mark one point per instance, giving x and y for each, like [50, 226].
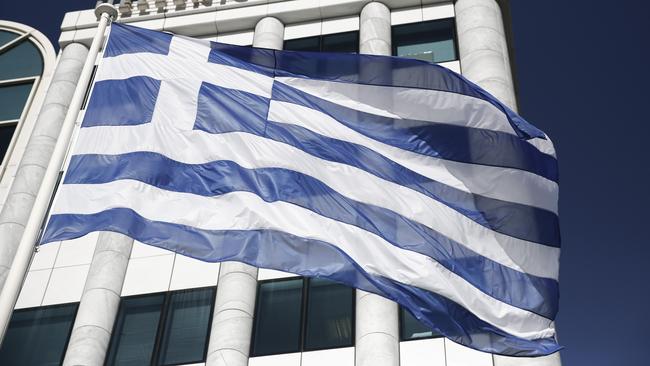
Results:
[259, 60]
[363, 69]
[528, 292]
[282, 251]
[122, 102]
[125, 39]
[222, 110]
[439, 140]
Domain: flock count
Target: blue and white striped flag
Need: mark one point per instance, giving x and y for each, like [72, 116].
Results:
[390, 175]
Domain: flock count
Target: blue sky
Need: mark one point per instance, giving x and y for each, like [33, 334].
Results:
[583, 73]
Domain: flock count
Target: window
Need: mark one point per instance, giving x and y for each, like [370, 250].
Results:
[410, 328]
[347, 42]
[432, 41]
[21, 65]
[38, 336]
[297, 314]
[162, 329]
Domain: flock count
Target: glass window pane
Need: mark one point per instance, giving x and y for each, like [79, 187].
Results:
[186, 327]
[329, 315]
[347, 42]
[303, 44]
[20, 61]
[38, 336]
[429, 41]
[13, 99]
[6, 132]
[277, 318]
[411, 328]
[134, 334]
[6, 37]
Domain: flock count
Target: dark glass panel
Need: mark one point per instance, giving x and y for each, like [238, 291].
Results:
[6, 132]
[347, 42]
[12, 100]
[411, 328]
[38, 336]
[429, 41]
[186, 327]
[20, 61]
[303, 44]
[329, 315]
[134, 334]
[6, 37]
[277, 319]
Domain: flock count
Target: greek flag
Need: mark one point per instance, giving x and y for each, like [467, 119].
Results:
[390, 175]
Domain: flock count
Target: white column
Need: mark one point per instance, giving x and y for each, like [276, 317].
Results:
[25, 249]
[374, 30]
[484, 49]
[269, 33]
[484, 60]
[377, 333]
[29, 175]
[232, 322]
[100, 301]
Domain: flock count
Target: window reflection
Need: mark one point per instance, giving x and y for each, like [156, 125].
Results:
[186, 327]
[294, 315]
[347, 42]
[6, 132]
[162, 329]
[19, 61]
[278, 317]
[432, 41]
[38, 336]
[411, 328]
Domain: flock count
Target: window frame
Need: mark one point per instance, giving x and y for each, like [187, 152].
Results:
[74, 318]
[454, 31]
[49, 60]
[35, 80]
[401, 311]
[303, 317]
[164, 313]
[320, 41]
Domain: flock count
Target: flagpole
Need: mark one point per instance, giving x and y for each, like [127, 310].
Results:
[22, 259]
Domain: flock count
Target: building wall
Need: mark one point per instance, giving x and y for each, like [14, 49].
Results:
[58, 272]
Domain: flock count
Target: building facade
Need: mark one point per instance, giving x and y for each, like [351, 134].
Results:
[104, 299]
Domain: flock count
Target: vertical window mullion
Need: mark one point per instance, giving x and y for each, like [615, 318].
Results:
[155, 355]
[303, 312]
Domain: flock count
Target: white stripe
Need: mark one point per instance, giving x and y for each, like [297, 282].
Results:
[505, 184]
[251, 151]
[162, 67]
[397, 102]
[176, 103]
[246, 211]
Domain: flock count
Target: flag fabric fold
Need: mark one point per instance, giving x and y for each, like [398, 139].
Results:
[391, 175]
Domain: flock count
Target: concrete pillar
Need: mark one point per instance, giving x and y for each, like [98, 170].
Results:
[100, 301]
[21, 196]
[374, 30]
[484, 48]
[269, 33]
[232, 322]
[377, 333]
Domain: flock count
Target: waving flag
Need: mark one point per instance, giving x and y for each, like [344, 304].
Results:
[391, 175]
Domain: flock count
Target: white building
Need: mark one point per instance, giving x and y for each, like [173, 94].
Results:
[103, 299]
